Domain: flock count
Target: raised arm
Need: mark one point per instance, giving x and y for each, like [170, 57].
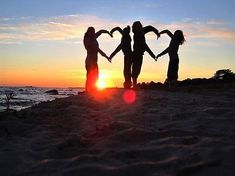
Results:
[167, 32]
[116, 29]
[163, 52]
[115, 51]
[151, 29]
[103, 54]
[97, 34]
[149, 51]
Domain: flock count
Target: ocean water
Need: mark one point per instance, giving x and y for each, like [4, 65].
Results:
[25, 97]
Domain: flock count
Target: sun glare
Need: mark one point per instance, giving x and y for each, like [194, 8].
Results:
[104, 81]
[101, 84]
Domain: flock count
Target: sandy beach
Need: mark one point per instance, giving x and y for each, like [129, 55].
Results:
[160, 134]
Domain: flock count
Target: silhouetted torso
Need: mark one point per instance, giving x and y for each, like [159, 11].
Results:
[173, 49]
[139, 43]
[91, 46]
[126, 44]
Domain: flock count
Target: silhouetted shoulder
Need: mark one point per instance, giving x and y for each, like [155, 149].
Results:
[90, 43]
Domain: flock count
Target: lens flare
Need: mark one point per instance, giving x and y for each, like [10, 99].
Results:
[129, 96]
[101, 84]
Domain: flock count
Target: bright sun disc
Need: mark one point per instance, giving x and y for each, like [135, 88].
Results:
[101, 84]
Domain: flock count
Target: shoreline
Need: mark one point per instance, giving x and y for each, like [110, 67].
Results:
[26, 97]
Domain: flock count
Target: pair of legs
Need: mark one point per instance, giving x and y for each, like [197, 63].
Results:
[136, 67]
[127, 71]
[172, 73]
[91, 76]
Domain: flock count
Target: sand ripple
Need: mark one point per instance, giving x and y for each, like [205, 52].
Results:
[162, 133]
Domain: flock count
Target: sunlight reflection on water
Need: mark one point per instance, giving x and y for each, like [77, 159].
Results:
[25, 97]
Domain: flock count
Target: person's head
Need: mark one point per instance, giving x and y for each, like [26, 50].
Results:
[90, 32]
[137, 27]
[179, 36]
[127, 30]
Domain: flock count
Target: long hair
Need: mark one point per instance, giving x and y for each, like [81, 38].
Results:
[89, 36]
[126, 30]
[90, 32]
[179, 36]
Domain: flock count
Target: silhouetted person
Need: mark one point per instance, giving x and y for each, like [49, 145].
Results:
[176, 40]
[139, 48]
[93, 49]
[125, 46]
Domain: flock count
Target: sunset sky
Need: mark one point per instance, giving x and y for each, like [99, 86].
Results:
[41, 41]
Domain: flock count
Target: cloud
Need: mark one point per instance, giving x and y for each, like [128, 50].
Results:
[5, 36]
[7, 28]
[216, 22]
[144, 4]
[211, 30]
[72, 28]
[222, 34]
[5, 19]
[151, 6]
[10, 43]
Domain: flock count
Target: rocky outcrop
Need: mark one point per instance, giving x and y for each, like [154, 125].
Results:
[52, 92]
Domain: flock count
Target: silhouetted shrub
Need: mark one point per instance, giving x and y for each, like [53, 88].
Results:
[9, 96]
[224, 74]
[217, 81]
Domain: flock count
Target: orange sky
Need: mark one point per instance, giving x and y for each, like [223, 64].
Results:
[48, 51]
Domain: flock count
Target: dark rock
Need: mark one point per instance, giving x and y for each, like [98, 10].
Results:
[52, 92]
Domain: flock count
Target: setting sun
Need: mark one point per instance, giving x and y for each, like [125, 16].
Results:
[101, 84]
[104, 81]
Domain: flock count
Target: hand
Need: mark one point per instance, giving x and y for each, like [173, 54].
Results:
[103, 54]
[109, 59]
[158, 36]
[111, 32]
[111, 35]
[156, 58]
